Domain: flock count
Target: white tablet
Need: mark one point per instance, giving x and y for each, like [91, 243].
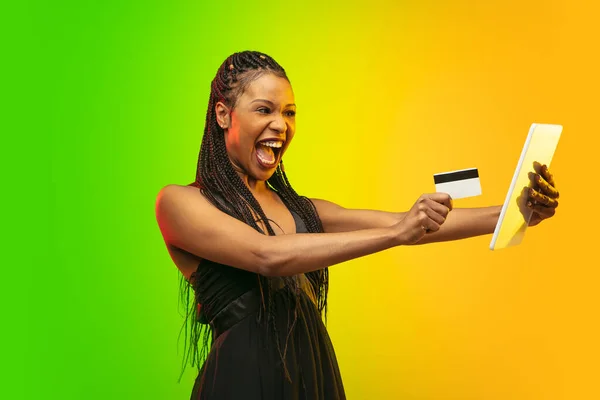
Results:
[514, 217]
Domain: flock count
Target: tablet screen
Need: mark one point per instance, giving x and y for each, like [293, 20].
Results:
[514, 218]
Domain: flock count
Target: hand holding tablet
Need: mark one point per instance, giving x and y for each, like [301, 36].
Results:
[542, 195]
[532, 195]
[529, 199]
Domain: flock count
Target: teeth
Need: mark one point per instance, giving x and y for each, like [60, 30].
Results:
[272, 143]
[265, 161]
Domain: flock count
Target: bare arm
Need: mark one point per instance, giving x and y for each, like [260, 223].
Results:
[336, 218]
[461, 223]
[188, 221]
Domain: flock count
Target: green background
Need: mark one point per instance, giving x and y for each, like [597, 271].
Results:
[110, 105]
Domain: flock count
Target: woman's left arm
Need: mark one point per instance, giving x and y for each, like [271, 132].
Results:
[461, 223]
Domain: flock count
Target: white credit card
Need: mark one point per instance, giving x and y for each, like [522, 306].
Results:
[458, 184]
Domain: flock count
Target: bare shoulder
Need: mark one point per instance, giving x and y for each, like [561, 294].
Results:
[176, 195]
[325, 205]
[176, 201]
[177, 189]
[326, 209]
[188, 221]
[170, 204]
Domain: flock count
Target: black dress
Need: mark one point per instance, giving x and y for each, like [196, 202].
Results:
[245, 360]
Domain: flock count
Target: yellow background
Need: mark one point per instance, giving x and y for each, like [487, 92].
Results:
[442, 87]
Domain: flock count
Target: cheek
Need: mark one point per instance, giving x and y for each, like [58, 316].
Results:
[245, 138]
[234, 143]
[240, 146]
[291, 130]
[289, 138]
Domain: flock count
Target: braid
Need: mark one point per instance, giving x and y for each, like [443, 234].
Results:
[307, 211]
[222, 186]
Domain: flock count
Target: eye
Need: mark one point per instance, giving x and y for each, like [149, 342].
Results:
[264, 110]
[290, 113]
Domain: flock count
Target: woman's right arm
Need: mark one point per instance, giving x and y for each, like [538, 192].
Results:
[188, 221]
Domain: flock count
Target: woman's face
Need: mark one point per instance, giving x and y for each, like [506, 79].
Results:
[260, 127]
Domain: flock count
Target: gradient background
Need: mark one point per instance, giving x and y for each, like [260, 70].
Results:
[105, 104]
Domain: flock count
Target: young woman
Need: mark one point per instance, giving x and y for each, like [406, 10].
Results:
[256, 253]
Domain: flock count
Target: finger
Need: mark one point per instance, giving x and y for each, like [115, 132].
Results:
[429, 225]
[548, 190]
[537, 197]
[547, 175]
[545, 212]
[537, 167]
[442, 198]
[441, 209]
[435, 216]
[427, 213]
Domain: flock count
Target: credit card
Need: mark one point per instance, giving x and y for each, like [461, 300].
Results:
[458, 184]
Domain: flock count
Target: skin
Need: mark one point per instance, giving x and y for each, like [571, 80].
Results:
[266, 110]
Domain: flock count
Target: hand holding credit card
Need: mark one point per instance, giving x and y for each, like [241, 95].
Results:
[458, 184]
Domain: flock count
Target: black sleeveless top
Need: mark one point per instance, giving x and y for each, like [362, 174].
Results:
[217, 285]
[246, 361]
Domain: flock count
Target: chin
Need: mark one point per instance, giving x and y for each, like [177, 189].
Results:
[264, 175]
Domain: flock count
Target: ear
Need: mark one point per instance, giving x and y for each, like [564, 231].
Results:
[223, 115]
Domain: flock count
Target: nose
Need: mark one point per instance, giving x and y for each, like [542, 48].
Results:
[278, 124]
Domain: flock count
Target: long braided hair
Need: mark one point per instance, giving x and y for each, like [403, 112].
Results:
[222, 186]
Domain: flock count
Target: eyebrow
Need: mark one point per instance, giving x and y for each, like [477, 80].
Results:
[270, 102]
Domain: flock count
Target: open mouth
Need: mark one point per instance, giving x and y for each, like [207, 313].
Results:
[267, 152]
